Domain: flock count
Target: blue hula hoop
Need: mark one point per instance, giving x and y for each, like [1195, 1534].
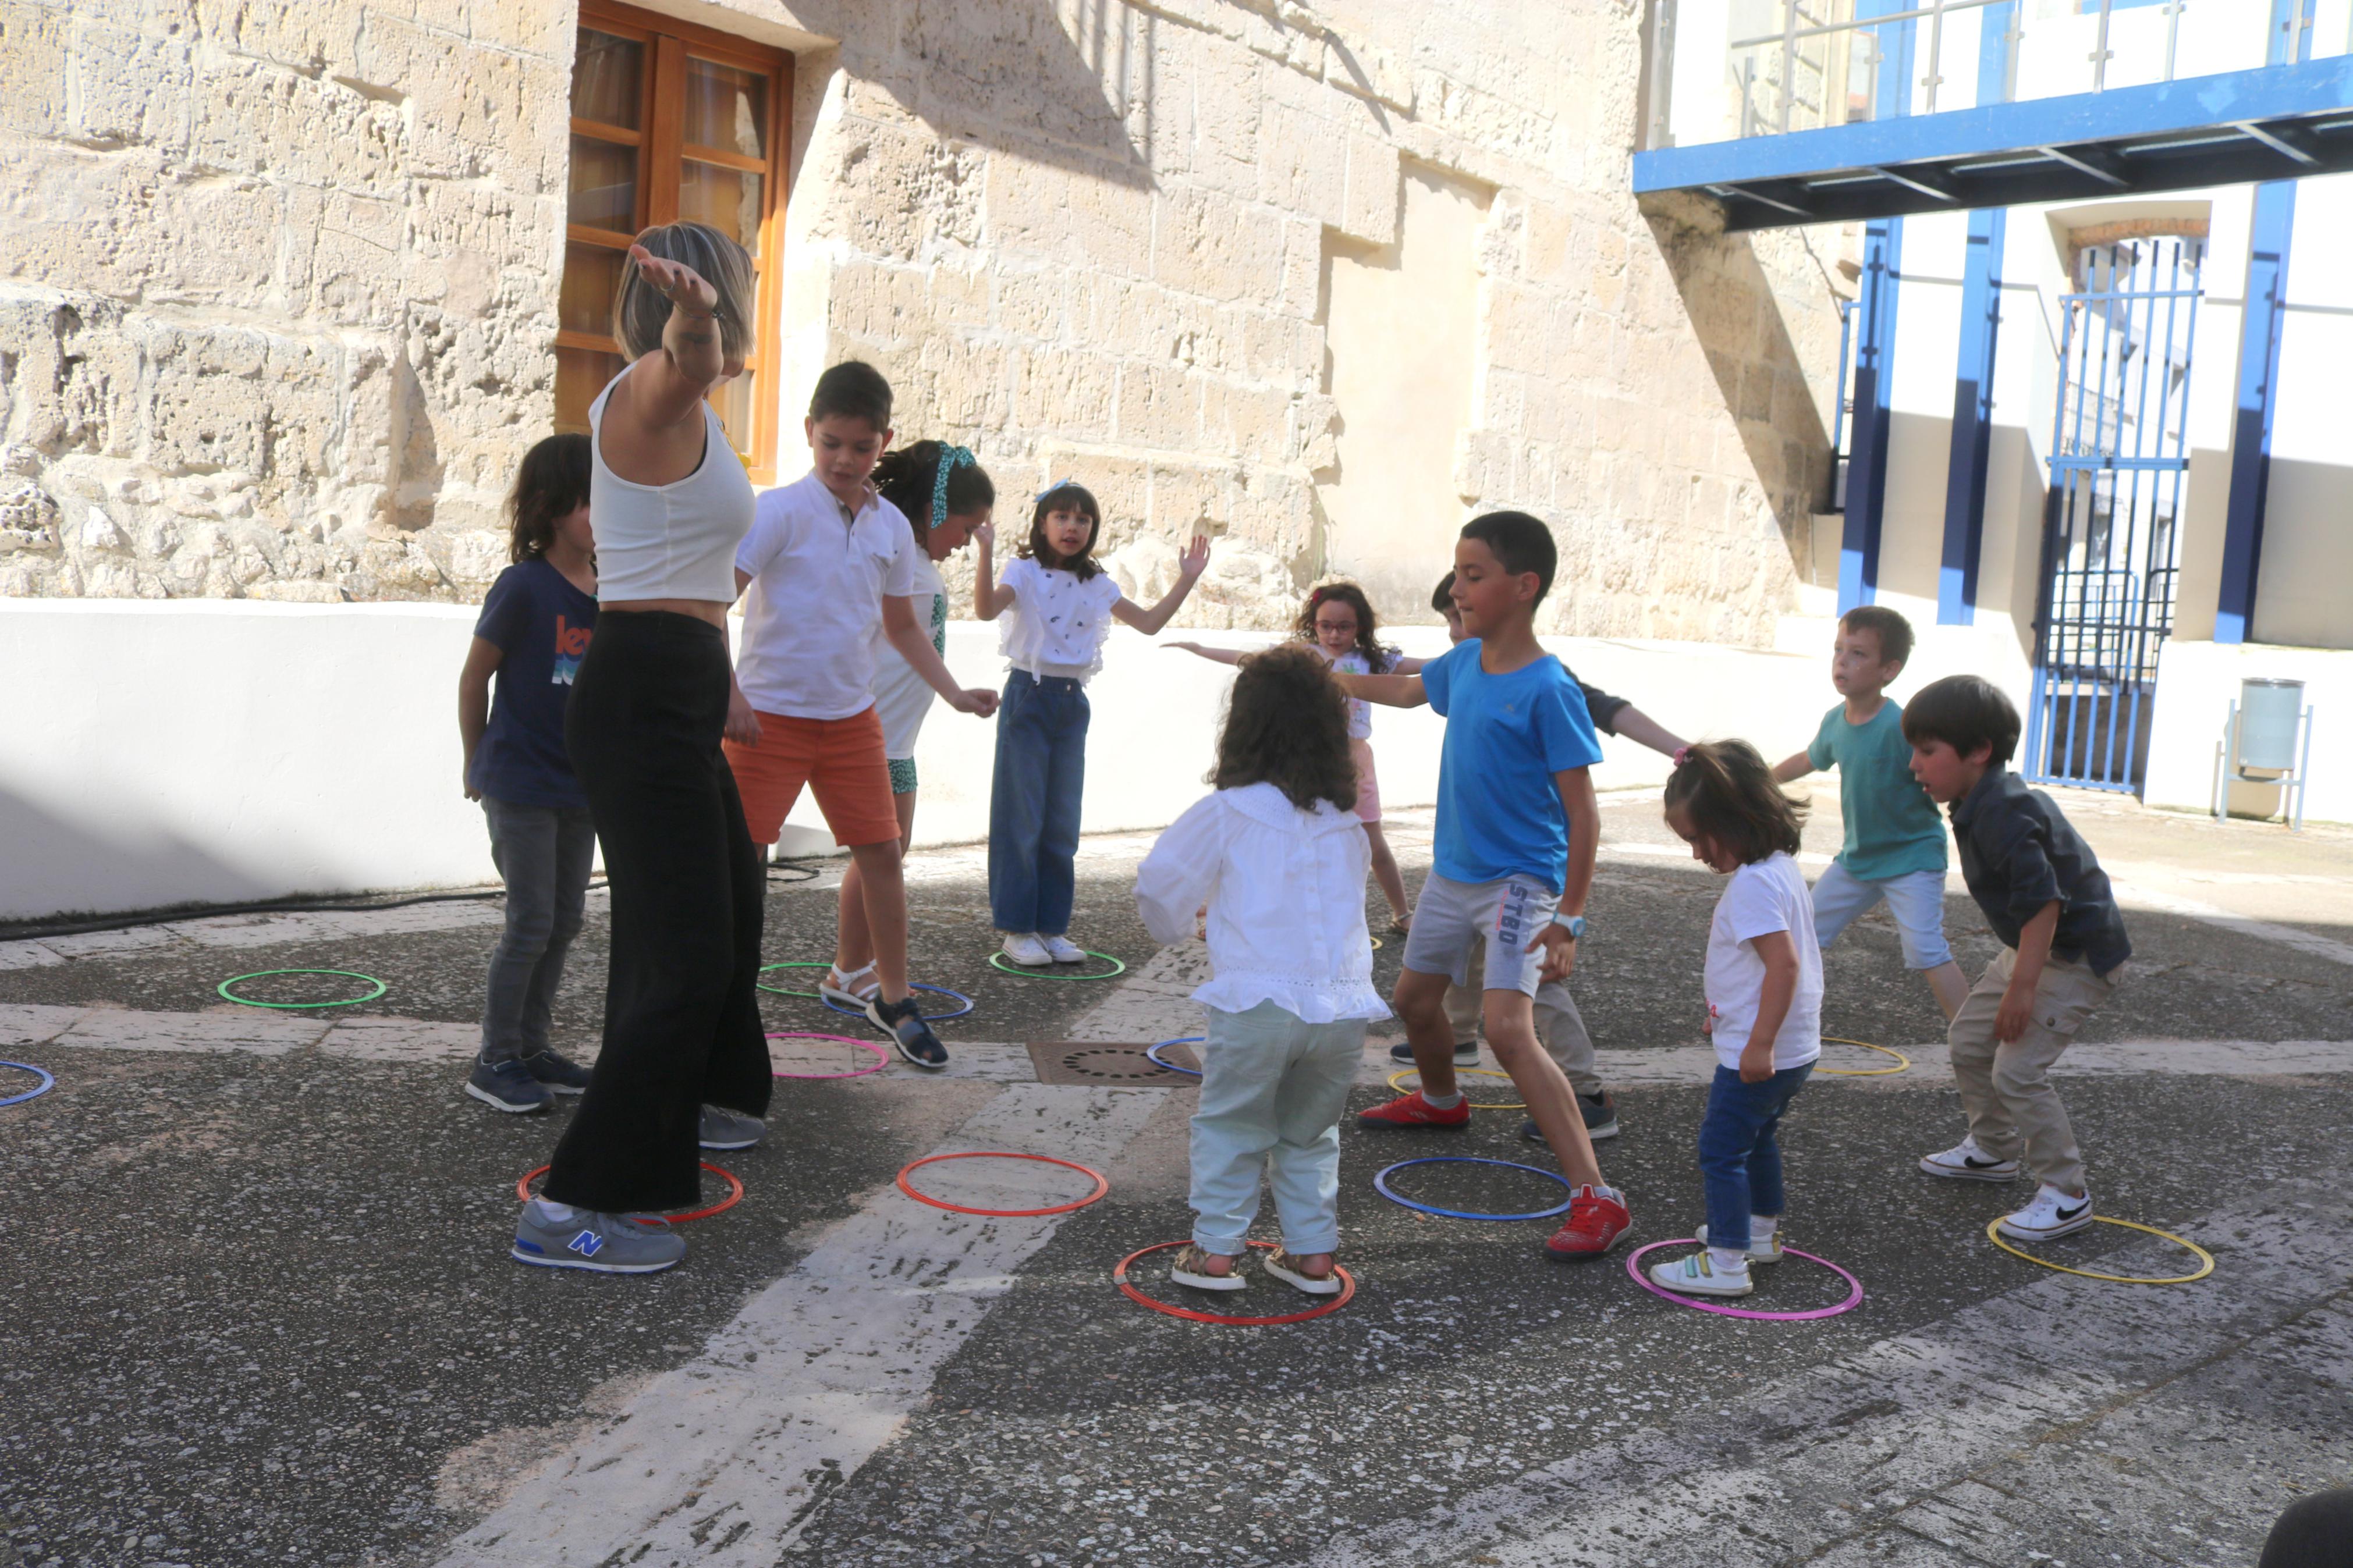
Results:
[1152, 1054]
[46, 1083]
[929, 1017]
[1381, 1186]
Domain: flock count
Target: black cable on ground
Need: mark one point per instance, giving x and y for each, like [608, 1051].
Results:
[308, 907]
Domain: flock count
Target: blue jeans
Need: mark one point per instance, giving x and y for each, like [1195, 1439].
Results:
[1033, 803]
[1739, 1159]
[1272, 1089]
[543, 853]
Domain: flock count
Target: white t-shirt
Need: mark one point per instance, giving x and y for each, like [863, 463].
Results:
[902, 697]
[814, 603]
[1360, 712]
[1058, 624]
[1764, 896]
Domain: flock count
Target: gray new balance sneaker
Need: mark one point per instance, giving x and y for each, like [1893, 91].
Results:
[724, 1129]
[600, 1243]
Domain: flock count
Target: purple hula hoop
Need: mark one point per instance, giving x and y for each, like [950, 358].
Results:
[1634, 1268]
[882, 1056]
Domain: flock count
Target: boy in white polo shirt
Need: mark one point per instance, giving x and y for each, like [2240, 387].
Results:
[827, 562]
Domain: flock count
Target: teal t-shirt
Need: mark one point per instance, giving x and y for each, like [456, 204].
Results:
[1892, 827]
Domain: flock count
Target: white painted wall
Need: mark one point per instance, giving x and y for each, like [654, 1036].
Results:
[2196, 682]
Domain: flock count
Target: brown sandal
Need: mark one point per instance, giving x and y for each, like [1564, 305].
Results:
[1192, 1268]
[1285, 1268]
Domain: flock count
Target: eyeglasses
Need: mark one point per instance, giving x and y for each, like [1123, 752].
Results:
[1324, 625]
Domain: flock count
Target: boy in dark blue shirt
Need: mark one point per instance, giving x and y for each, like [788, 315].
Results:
[2063, 952]
[1517, 828]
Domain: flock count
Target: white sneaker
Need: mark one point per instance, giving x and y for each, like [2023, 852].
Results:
[1966, 1162]
[1063, 950]
[1699, 1276]
[1026, 951]
[2053, 1213]
[1765, 1250]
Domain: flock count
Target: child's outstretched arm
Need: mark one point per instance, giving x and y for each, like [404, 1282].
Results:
[1780, 956]
[1215, 655]
[1792, 767]
[1643, 730]
[1388, 690]
[1180, 876]
[989, 599]
[1189, 567]
[1584, 814]
[914, 645]
[474, 703]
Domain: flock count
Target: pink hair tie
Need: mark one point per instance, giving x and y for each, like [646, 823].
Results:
[1682, 755]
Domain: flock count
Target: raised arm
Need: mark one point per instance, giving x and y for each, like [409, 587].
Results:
[1388, 690]
[1215, 655]
[1189, 567]
[662, 392]
[988, 599]
[1643, 730]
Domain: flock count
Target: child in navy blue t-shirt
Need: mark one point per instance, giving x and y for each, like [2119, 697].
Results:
[534, 626]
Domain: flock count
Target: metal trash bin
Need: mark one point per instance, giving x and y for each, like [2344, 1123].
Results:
[2270, 712]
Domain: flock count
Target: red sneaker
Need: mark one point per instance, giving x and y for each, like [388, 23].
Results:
[1415, 1112]
[1596, 1218]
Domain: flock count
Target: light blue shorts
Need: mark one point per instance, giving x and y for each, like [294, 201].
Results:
[1916, 899]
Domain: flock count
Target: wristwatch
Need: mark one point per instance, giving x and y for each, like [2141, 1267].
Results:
[1575, 924]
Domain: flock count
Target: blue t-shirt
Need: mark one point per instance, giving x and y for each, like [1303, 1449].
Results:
[1892, 829]
[540, 624]
[1498, 810]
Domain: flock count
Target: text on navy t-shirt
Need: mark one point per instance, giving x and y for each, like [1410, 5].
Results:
[542, 625]
[1506, 735]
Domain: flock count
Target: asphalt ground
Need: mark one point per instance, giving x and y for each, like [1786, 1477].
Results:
[259, 1311]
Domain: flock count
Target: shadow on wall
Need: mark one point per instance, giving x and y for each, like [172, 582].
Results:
[61, 871]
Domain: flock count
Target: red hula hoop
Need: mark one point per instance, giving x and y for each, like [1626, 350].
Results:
[1102, 1184]
[735, 1193]
[1119, 1278]
[881, 1057]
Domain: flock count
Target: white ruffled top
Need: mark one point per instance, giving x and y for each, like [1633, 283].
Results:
[1285, 891]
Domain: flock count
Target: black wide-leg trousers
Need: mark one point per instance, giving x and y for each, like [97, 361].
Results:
[682, 1019]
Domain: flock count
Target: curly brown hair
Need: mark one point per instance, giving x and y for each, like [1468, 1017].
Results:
[1287, 725]
[1728, 790]
[1378, 659]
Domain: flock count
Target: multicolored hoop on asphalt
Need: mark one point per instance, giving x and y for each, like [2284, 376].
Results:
[786, 990]
[1634, 1268]
[1902, 1061]
[1152, 1054]
[881, 1057]
[2206, 1258]
[1381, 1186]
[1102, 1184]
[1119, 1278]
[1460, 1072]
[223, 988]
[735, 1193]
[928, 1017]
[40, 1089]
[1118, 967]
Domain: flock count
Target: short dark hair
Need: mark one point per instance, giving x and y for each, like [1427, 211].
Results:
[1287, 725]
[1522, 543]
[1965, 711]
[1441, 598]
[852, 390]
[549, 482]
[1729, 792]
[908, 476]
[1894, 632]
[641, 316]
[1063, 497]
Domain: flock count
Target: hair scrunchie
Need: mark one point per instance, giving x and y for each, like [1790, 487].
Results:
[951, 459]
[1682, 755]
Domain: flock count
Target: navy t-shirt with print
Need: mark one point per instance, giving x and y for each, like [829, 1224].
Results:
[542, 625]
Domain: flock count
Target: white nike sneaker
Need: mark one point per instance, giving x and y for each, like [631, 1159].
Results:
[1966, 1162]
[1063, 950]
[1764, 1249]
[1026, 951]
[2053, 1213]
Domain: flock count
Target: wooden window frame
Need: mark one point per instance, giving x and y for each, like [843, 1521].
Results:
[662, 153]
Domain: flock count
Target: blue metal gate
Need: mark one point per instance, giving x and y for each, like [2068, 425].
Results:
[2111, 546]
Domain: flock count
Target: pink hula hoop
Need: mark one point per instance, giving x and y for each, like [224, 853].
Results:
[881, 1057]
[1634, 1269]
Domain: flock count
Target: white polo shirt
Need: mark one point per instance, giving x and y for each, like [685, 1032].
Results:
[814, 603]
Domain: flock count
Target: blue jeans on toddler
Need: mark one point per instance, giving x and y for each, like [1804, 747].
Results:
[1033, 802]
[543, 853]
[1272, 1089]
[1739, 1158]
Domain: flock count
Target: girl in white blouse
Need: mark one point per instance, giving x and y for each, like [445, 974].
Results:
[1279, 859]
[1058, 605]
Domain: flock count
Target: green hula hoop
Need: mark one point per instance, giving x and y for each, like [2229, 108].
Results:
[996, 961]
[786, 990]
[223, 988]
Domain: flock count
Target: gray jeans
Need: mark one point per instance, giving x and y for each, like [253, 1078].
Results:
[1560, 1028]
[543, 853]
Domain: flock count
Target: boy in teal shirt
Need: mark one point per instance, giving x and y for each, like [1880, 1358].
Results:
[1895, 846]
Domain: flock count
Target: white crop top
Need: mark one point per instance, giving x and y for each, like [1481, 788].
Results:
[669, 541]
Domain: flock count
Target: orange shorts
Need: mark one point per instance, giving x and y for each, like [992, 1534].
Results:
[840, 760]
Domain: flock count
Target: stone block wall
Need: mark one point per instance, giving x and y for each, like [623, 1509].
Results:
[276, 299]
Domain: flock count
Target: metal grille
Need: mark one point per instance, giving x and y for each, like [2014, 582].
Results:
[1108, 1066]
[2111, 546]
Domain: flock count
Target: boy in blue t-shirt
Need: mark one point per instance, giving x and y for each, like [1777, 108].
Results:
[534, 626]
[1894, 846]
[1517, 826]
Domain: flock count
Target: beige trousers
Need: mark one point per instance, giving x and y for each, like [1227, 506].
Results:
[2014, 1112]
[1560, 1029]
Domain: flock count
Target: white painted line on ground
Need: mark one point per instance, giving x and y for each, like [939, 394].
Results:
[1872, 1457]
[720, 1461]
[2319, 946]
[401, 1040]
[31, 1023]
[124, 1029]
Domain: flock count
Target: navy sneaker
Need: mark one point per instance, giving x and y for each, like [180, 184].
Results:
[559, 1073]
[1601, 1113]
[903, 1021]
[1466, 1053]
[600, 1243]
[724, 1129]
[507, 1086]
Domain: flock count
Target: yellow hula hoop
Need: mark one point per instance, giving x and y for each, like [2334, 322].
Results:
[1460, 1072]
[1902, 1061]
[1993, 1233]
